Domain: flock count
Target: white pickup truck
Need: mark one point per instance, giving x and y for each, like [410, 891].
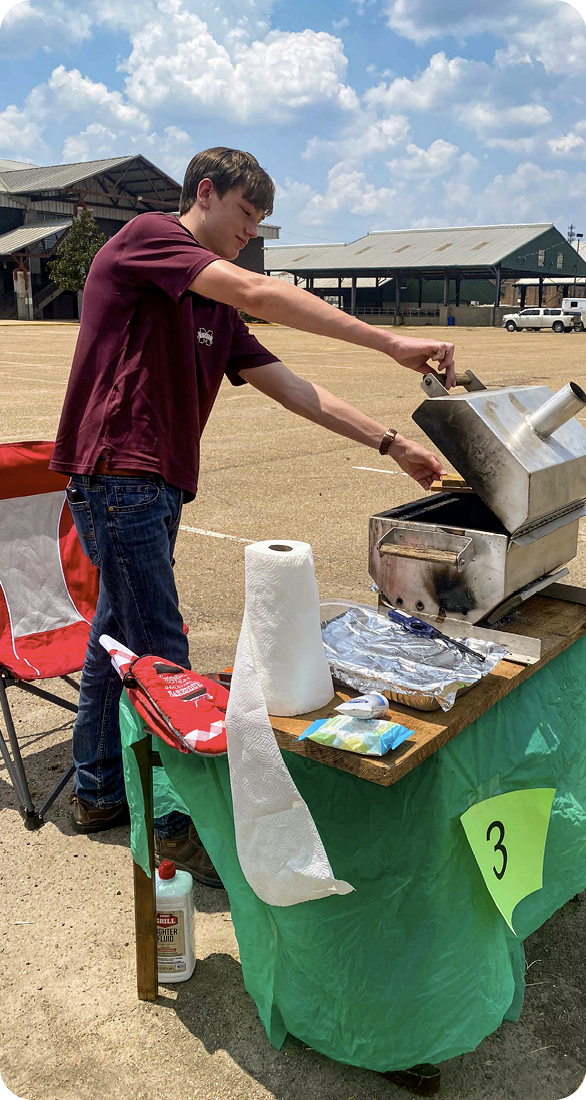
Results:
[533, 319]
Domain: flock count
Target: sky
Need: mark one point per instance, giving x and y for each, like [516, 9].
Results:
[368, 114]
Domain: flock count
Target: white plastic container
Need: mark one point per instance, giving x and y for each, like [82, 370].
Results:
[175, 923]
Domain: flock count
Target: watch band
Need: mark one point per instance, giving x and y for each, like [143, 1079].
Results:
[387, 441]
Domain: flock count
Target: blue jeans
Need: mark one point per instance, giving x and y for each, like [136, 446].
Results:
[127, 526]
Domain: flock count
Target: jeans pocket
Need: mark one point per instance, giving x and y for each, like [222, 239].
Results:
[130, 497]
[86, 532]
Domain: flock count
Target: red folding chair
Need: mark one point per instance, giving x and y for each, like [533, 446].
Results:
[48, 595]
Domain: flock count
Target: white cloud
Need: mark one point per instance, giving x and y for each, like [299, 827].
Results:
[94, 142]
[175, 60]
[53, 24]
[19, 134]
[528, 194]
[68, 92]
[350, 191]
[293, 193]
[29, 27]
[567, 144]
[424, 164]
[533, 30]
[443, 82]
[362, 139]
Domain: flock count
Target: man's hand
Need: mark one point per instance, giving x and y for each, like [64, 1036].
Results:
[420, 464]
[414, 354]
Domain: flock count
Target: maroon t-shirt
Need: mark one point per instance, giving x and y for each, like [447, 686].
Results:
[150, 356]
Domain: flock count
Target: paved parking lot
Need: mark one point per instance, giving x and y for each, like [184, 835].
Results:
[71, 1025]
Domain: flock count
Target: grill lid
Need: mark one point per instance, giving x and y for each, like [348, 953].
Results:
[519, 448]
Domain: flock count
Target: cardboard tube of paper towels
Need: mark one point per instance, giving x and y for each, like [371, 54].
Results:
[282, 614]
[280, 663]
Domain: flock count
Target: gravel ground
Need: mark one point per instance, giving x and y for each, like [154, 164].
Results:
[71, 1026]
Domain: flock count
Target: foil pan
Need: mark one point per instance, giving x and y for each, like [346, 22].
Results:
[369, 653]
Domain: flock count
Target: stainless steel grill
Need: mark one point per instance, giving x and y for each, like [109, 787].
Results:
[471, 556]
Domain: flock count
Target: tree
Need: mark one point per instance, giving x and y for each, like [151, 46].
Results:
[75, 254]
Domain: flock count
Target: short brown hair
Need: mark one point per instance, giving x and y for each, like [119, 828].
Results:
[228, 168]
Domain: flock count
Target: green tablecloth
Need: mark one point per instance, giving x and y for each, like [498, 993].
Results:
[417, 965]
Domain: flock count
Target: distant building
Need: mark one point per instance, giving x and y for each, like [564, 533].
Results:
[38, 205]
[426, 276]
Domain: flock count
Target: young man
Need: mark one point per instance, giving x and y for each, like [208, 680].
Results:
[159, 330]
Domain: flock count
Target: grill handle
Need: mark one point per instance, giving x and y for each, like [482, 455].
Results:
[401, 542]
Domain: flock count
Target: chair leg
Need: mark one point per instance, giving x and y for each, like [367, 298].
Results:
[145, 907]
[15, 766]
[33, 819]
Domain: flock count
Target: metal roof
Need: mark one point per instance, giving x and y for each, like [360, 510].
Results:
[13, 165]
[461, 246]
[281, 257]
[27, 235]
[135, 175]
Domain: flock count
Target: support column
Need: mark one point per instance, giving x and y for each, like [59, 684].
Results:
[446, 290]
[294, 280]
[419, 293]
[458, 282]
[523, 290]
[497, 292]
[397, 298]
[23, 293]
[497, 289]
[353, 297]
[540, 293]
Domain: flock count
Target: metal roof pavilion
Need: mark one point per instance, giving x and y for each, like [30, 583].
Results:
[464, 251]
[134, 177]
[27, 235]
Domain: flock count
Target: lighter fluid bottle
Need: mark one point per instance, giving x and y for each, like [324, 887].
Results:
[175, 927]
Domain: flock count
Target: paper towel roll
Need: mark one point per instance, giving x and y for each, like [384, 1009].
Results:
[279, 848]
[282, 608]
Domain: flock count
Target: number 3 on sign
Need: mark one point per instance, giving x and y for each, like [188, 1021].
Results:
[507, 835]
[499, 847]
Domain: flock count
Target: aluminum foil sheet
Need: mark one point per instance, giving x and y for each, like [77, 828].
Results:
[369, 653]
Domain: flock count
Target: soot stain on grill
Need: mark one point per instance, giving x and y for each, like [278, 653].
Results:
[446, 589]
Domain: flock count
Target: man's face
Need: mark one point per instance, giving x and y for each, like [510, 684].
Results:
[230, 222]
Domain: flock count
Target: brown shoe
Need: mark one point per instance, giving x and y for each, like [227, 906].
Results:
[86, 818]
[188, 854]
[423, 1080]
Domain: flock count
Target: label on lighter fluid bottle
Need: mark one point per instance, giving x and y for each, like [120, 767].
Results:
[171, 942]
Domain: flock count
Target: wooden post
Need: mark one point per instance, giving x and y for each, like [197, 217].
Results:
[145, 907]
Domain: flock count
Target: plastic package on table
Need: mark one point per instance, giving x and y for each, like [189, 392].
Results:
[417, 965]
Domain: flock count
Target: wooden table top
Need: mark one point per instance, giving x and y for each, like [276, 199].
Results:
[556, 622]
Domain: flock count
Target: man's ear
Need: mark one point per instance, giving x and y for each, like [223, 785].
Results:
[204, 193]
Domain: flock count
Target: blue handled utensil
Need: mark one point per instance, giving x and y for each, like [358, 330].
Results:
[425, 630]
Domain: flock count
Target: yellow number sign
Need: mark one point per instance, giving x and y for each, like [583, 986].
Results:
[507, 835]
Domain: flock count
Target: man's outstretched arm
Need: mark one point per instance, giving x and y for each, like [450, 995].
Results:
[277, 301]
[322, 407]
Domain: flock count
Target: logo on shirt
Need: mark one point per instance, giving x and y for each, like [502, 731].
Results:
[205, 336]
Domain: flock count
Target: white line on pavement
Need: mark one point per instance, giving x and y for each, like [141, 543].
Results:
[372, 470]
[212, 534]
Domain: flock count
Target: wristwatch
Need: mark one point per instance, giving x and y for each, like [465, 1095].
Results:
[387, 441]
